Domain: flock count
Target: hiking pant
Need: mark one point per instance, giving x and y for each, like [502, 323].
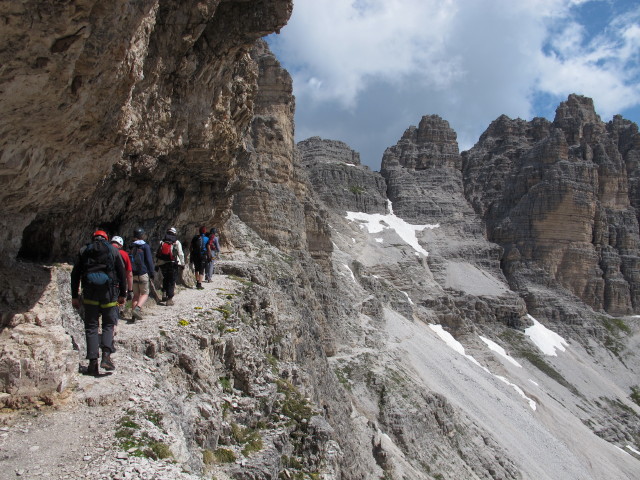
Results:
[209, 270]
[169, 273]
[100, 301]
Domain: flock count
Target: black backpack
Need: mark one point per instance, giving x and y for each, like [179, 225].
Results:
[197, 247]
[136, 255]
[98, 264]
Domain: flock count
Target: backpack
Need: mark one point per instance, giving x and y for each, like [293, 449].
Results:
[136, 255]
[165, 251]
[198, 248]
[98, 264]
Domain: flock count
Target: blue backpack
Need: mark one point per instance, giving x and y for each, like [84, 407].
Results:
[136, 255]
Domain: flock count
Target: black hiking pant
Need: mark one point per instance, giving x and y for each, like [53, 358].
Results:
[99, 301]
[169, 274]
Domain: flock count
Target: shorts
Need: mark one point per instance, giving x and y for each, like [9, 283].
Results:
[198, 265]
[141, 284]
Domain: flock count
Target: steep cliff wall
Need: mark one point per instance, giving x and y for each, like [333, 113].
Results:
[119, 114]
[560, 198]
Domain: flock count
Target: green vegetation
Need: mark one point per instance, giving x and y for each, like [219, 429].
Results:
[224, 455]
[183, 323]
[208, 457]
[295, 406]
[248, 437]
[130, 437]
[154, 417]
[635, 394]
[343, 374]
[357, 189]
[616, 330]
[225, 383]
[225, 311]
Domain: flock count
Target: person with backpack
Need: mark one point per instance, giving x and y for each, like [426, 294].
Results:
[170, 257]
[143, 272]
[213, 249]
[100, 270]
[118, 243]
[198, 255]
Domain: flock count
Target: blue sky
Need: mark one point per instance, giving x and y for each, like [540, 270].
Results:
[365, 70]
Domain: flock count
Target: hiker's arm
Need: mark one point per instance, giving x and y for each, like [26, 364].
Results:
[75, 284]
[180, 253]
[121, 274]
[148, 258]
[215, 240]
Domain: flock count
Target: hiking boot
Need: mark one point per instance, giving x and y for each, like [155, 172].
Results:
[164, 298]
[92, 369]
[170, 302]
[106, 362]
[199, 286]
[137, 313]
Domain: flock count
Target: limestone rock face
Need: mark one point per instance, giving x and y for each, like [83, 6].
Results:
[559, 198]
[424, 178]
[149, 100]
[339, 179]
[274, 197]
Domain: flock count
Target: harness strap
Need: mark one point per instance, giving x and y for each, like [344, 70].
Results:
[95, 303]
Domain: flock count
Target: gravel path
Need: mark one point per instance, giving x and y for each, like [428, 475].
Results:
[76, 440]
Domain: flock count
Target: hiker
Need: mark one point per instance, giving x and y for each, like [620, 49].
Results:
[118, 243]
[198, 255]
[170, 258]
[213, 249]
[143, 272]
[100, 269]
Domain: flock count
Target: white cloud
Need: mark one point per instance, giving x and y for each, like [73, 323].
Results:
[379, 65]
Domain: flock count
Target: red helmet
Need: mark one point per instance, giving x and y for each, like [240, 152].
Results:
[100, 233]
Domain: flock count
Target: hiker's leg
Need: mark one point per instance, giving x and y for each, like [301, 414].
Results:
[136, 292]
[109, 320]
[91, 315]
[169, 279]
[144, 289]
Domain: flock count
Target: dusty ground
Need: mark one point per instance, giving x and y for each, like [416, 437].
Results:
[77, 439]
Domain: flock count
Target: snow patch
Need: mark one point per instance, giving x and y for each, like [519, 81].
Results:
[379, 240]
[377, 222]
[633, 450]
[493, 346]
[408, 297]
[350, 271]
[457, 346]
[546, 340]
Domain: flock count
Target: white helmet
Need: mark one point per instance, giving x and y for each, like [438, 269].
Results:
[117, 240]
[172, 230]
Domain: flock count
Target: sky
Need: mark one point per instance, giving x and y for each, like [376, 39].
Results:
[366, 70]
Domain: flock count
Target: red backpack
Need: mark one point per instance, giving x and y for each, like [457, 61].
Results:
[165, 251]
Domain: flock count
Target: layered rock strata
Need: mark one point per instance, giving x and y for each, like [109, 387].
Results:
[423, 172]
[339, 178]
[560, 198]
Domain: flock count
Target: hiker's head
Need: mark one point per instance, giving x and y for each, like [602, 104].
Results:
[213, 231]
[138, 233]
[117, 241]
[203, 229]
[172, 230]
[100, 233]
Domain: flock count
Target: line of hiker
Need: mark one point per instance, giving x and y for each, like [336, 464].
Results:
[204, 251]
[111, 275]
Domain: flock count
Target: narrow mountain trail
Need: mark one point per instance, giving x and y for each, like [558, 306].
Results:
[85, 436]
